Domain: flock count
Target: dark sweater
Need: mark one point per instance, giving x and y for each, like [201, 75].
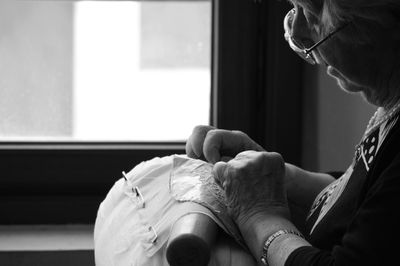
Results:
[356, 220]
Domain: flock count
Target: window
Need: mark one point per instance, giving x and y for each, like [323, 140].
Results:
[90, 89]
[60, 173]
[104, 70]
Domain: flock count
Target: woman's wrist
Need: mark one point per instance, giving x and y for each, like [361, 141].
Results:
[257, 228]
[261, 227]
[282, 246]
[272, 239]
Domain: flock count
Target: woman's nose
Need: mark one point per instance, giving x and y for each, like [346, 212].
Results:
[300, 30]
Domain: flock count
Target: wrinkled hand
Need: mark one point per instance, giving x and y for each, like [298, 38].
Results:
[214, 145]
[254, 184]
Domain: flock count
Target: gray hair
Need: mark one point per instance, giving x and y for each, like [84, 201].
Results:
[365, 15]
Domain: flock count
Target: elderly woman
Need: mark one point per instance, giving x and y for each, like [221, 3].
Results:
[349, 220]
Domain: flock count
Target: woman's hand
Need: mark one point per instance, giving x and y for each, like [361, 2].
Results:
[254, 186]
[215, 145]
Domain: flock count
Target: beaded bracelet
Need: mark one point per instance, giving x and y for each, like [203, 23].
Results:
[270, 239]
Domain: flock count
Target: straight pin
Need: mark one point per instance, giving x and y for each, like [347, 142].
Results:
[124, 176]
[154, 240]
[139, 194]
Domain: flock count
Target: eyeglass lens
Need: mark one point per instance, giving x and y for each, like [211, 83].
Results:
[301, 51]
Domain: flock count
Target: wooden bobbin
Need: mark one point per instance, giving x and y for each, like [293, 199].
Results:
[191, 240]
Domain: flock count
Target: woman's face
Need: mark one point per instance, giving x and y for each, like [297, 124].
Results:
[357, 67]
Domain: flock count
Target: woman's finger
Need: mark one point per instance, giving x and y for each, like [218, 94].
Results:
[220, 171]
[213, 144]
[194, 144]
[221, 143]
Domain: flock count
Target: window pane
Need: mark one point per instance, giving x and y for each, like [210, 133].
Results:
[104, 70]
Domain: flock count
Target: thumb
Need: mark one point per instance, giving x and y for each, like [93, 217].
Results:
[219, 171]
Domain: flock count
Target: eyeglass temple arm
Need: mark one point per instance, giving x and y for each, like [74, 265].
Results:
[309, 50]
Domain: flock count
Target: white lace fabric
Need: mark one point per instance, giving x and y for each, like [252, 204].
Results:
[133, 229]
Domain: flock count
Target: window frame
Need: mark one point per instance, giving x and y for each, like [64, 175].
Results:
[59, 183]
[268, 84]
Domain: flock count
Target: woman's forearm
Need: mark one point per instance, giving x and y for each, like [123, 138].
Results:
[302, 188]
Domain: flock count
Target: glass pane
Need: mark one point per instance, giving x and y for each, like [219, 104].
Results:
[104, 70]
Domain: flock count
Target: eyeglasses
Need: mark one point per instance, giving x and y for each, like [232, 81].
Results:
[305, 53]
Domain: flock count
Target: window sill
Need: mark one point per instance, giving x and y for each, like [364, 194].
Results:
[46, 237]
[47, 245]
